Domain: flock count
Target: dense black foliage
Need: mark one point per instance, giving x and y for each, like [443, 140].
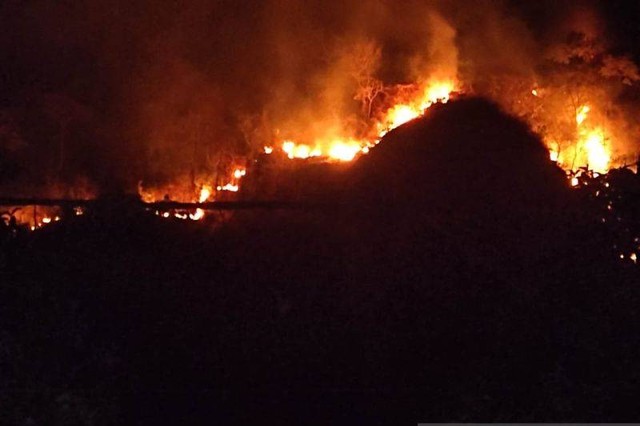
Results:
[458, 280]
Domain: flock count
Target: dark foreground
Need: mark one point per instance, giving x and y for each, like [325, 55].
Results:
[481, 297]
[132, 318]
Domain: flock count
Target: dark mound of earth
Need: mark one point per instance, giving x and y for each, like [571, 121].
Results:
[468, 155]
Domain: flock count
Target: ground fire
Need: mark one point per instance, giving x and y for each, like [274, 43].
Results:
[571, 100]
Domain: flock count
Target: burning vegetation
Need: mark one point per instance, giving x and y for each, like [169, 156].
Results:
[194, 131]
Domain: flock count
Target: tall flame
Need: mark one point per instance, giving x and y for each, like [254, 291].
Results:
[592, 141]
[589, 149]
[598, 156]
[205, 193]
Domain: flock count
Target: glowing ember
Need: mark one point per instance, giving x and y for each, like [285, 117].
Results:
[534, 92]
[199, 214]
[238, 173]
[268, 149]
[229, 187]
[46, 220]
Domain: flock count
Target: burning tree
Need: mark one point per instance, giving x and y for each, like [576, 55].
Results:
[366, 58]
[574, 103]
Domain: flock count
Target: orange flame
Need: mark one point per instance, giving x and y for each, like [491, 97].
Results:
[590, 148]
[205, 193]
[199, 214]
[347, 149]
[582, 113]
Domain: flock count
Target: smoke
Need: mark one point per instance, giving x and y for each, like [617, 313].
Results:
[174, 88]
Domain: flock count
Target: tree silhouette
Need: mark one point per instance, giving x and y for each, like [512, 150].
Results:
[365, 60]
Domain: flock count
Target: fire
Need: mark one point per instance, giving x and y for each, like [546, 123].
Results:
[582, 113]
[598, 157]
[399, 115]
[234, 184]
[437, 92]
[205, 193]
[337, 150]
[592, 141]
[344, 151]
[238, 173]
[229, 187]
[294, 150]
[589, 148]
[32, 217]
[199, 214]
[347, 148]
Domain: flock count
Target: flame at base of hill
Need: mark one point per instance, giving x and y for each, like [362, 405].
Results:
[190, 190]
[341, 148]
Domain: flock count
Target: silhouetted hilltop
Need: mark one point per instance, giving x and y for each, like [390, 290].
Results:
[475, 176]
[454, 285]
[465, 154]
